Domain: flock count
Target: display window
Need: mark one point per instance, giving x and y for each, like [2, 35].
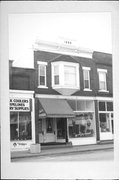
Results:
[20, 126]
[82, 125]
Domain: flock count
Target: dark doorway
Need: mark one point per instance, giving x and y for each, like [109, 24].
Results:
[62, 128]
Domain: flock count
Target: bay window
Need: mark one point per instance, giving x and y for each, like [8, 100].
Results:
[65, 75]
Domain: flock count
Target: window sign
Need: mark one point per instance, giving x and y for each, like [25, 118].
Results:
[18, 104]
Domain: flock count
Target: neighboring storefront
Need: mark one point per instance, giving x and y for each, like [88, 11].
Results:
[106, 124]
[22, 123]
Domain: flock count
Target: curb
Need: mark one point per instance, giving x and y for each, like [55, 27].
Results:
[60, 153]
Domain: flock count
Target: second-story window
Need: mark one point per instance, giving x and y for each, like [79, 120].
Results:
[70, 75]
[56, 75]
[41, 74]
[86, 75]
[102, 79]
[65, 75]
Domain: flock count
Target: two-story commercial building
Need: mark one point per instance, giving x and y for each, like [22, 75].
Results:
[67, 97]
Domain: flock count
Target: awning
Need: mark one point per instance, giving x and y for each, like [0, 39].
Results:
[55, 108]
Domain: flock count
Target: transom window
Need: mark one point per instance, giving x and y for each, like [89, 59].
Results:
[86, 75]
[102, 80]
[42, 74]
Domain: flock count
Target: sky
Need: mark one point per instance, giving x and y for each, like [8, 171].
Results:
[90, 30]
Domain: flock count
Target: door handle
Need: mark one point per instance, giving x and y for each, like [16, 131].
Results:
[54, 132]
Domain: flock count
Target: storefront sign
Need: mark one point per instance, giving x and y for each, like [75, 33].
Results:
[18, 104]
[20, 145]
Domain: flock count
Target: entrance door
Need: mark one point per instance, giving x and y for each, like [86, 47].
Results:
[106, 126]
[61, 129]
[47, 130]
[50, 135]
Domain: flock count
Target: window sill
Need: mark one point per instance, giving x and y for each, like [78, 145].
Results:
[43, 87]
[64, 87]
[104, 91]
[87, 89]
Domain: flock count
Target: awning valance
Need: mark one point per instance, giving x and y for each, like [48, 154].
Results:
[55, 108]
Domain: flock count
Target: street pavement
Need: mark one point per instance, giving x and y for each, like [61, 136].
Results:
[99, 155]
[60, 151]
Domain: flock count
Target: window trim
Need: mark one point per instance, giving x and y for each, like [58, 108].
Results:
[86, 69]
[102, 71]
[40, 63]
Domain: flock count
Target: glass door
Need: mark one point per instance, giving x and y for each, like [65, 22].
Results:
[106, 124]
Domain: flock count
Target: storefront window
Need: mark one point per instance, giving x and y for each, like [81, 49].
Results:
[20, 125]
[81, 126]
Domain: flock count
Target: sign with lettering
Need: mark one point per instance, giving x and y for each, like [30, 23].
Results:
[22, 145]
[18, 104]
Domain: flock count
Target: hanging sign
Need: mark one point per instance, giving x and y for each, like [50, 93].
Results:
[18, 104]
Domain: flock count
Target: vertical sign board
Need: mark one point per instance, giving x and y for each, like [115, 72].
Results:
[20, 105]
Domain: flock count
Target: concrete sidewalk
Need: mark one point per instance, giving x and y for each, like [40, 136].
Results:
[62, 150]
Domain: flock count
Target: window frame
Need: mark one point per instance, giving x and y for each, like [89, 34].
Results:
[104, 71]
[41, 63]
[20, 124]
[88, 70]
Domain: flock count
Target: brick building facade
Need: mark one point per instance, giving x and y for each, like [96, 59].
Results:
[70, 97]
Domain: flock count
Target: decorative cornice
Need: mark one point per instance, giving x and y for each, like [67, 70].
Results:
[61, 48]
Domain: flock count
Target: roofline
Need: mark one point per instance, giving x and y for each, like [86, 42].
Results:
[62, 49]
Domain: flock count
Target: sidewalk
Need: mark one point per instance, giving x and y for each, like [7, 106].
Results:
[62, 150]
